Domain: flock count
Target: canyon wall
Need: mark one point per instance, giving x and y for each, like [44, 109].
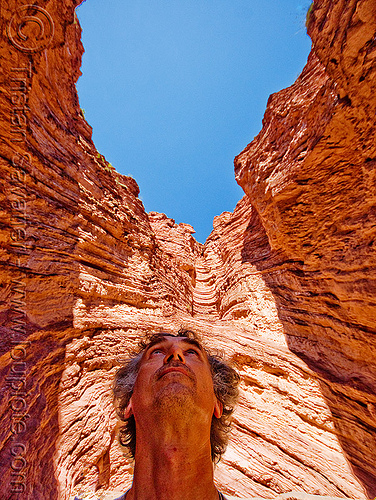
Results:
[314, 189]
[284, 285]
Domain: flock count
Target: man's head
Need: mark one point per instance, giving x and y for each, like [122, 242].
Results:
[176, 371]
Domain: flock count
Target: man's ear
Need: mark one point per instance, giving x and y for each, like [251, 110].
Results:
[218, 409]
[128, 412]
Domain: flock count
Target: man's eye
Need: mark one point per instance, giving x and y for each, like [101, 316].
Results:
[191, 351]
[156, 351]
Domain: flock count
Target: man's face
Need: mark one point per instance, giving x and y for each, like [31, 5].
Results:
[174, 375]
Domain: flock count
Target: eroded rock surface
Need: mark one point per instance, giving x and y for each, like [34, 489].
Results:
[284, 285]
[314, 189]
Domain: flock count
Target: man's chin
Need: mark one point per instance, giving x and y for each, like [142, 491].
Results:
[172, 396]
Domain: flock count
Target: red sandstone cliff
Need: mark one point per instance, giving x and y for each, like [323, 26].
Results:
[284, 284]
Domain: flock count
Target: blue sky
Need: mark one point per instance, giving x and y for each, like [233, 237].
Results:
[175, 89]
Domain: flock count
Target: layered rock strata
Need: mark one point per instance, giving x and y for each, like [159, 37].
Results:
[283, 284]
[313, 187]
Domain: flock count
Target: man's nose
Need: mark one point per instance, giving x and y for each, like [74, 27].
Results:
[174, 354]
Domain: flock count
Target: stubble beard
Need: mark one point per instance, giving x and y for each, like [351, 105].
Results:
[175, 399]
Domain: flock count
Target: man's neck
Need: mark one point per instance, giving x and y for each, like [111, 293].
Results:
[175, 465]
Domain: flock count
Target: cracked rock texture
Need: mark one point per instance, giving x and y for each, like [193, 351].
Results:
[285, 284]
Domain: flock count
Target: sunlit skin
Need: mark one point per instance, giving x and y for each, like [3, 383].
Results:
[173, 403]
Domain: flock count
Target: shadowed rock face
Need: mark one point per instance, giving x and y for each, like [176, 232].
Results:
[284, 285]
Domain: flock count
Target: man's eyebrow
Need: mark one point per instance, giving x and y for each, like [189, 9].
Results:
[157, 339]
[164, 338]
[194, 342]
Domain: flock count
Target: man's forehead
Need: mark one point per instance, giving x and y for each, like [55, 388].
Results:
[165, 337]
